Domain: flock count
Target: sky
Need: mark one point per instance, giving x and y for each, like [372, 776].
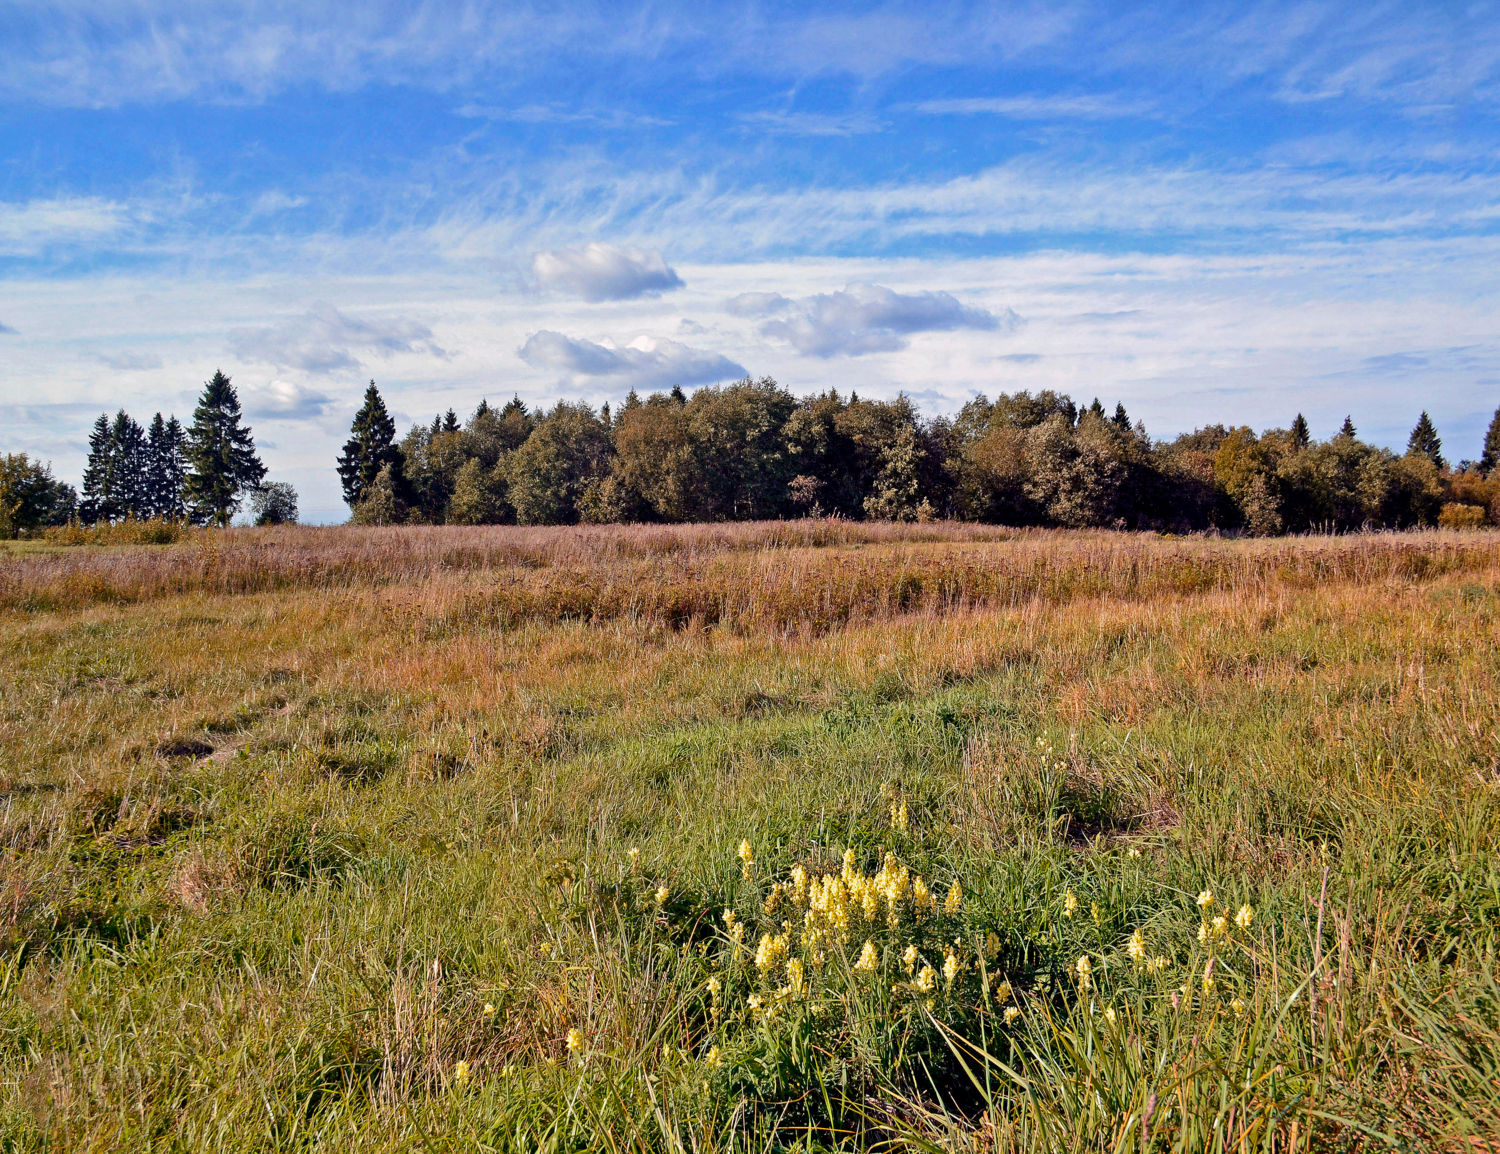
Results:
[1209, 212]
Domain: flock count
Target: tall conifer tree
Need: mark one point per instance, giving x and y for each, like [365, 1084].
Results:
[1424, 442]
[1301, 435]
[166, 467]
[371, 447]
[222, 454]
[96, 505]
[1489, 460]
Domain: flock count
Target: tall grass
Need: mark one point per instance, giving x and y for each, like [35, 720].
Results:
[342, 861]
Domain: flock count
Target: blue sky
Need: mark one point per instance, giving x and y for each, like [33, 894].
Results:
[1209, 212]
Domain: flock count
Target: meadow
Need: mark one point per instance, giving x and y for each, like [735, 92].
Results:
[792, 835]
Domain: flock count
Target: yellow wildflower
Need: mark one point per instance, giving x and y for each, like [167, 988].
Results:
[954, 900]
[1002, 992]
[848, 871]
[747, 859]
[909, 959]
[489, 1010]
[768, 907]
[1084, 968]
[1109, 1015]
[1238, 1006]
[926, 980]
[1203, 933]
[898, 815]
[1157, 964]
[635, 856]
[991, 945]
[869, 959]
[1221, 926]
[662, 893]
[1137, 947]
[1070, 904]
[951, 967]
[461, 1073]
[575, 1041]
[799, 885]
[1011, 1014]
[795, 976]
[1133, 851]
[1244, 917]
[713, 1060]
[714, 986]
[921, 897]
[1205, 899]
[770, 952]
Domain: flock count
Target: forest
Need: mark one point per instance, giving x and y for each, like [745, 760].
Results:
[753, 451]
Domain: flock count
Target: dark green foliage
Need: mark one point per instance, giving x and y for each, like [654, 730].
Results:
[371, 447]
[1301, 436]
[274, 504]
[222, 454]
[1424, 442]
[565, 457]
[1489, 460]
[30, 497]
[120, 479]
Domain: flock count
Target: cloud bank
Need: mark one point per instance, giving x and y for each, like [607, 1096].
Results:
[602, 272]
[324, 340]
[645, 363]
[863, 318]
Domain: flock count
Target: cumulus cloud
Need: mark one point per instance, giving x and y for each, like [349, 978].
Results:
[602, 272]
[130, 362]
[863, 318]
[284, 401]
[645, 363]
[324, 340]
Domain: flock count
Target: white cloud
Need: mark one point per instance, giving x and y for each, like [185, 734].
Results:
[602, 272]
[130, 362]
[324, 340]
[1038, 107]
[863, 318]
[274, 201]
[811, 123]
[553, 114]
[645, 363]
[284, 401]
[27, 229]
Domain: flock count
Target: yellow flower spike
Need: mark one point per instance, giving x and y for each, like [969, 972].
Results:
[1238, 1006]
[1109, 1015]
[955, 899]
[1205, 899]
[1221, 926]
[926, 980]
[869, 959]
[747, 859]
[713, 1060]
[799, 885]
[1083, 967]
[1133, 851]
[951, 967]
[1202, 933]
[1244, 917]
[1157, 964]
[1137, 947]
[795, 976]
[920, 895]
[1003, 992]
[848, 872]
[1070, 904]
[662, 893]
[770, 952]
[1094, 912]
[575, 1041]
[461, 1073]
[1011, 1014]
[909, 959]
[489, 1010]
[991, 945]
[635, 856]
[714, 987]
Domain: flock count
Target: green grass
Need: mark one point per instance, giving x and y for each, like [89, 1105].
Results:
[291, 944]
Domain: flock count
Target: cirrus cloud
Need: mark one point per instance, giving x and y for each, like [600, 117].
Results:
[324, 340]
[862, 318]
[645, 363]
[602, 272]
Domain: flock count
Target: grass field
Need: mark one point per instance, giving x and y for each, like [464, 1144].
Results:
[760, 837]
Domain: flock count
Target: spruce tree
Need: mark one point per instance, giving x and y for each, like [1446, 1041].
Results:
[131, 493]
[168, 467]
[371, 447]
[1301, 436]
[1121, 419]
[1489, 460]
[1347, 430]
[96, 505]
[1424, 442]
[222, 454]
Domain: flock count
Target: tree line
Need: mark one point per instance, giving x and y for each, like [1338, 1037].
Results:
[200, 474]
[751, 450]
